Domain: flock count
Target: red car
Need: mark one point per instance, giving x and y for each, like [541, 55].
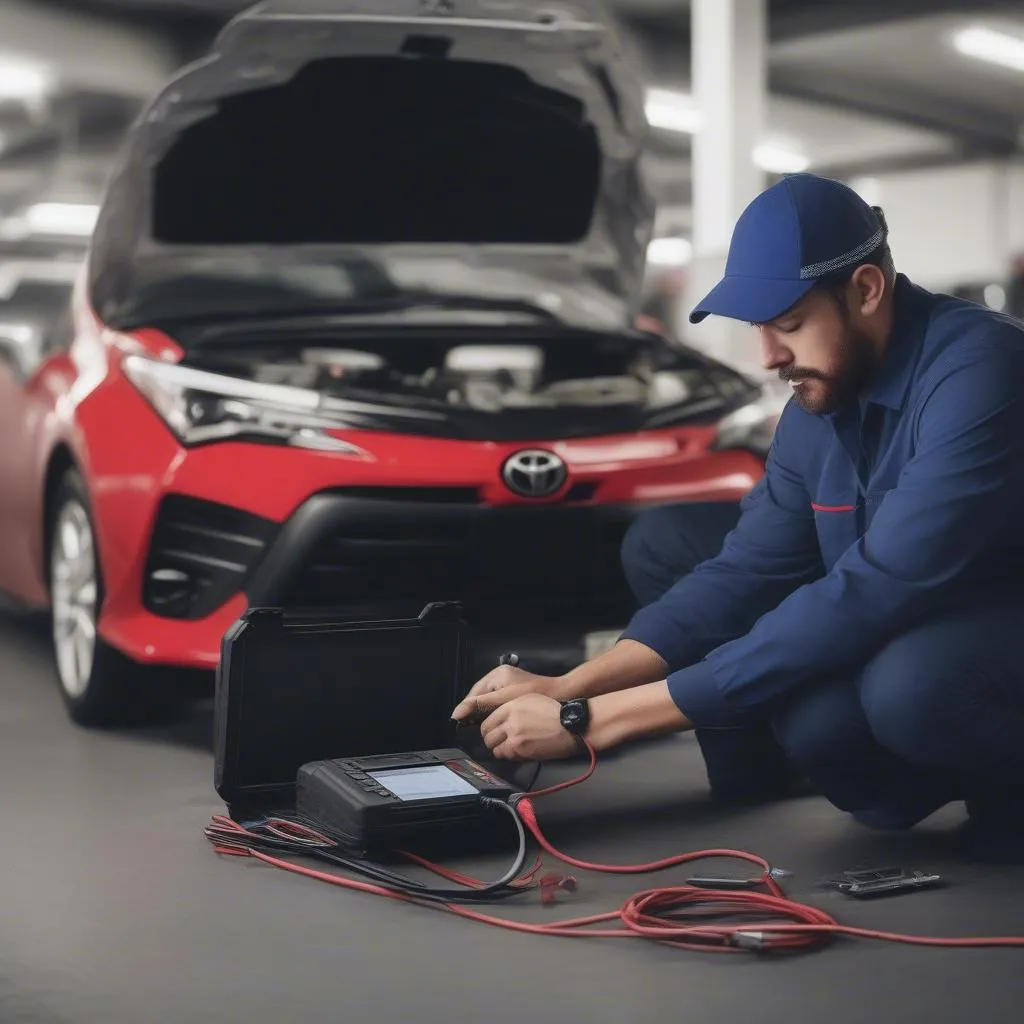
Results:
[356, 332]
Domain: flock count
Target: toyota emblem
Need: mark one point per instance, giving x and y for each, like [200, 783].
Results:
[534, 474]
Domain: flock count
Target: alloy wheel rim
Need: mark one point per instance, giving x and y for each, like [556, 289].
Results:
[75, 593]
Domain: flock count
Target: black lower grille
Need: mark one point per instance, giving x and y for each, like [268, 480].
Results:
[522, 563]
[426, 495]
[200, 555]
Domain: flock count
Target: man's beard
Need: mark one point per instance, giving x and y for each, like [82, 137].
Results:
[822, 394]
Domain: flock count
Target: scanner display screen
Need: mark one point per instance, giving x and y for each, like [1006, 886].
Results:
[432, 782]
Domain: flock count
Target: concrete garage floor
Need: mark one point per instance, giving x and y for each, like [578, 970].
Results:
[115, 910]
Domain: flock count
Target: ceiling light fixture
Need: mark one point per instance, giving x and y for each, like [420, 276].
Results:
[778, 160]
[669, 252]
[995, 297]
[23, 81]
[72, 219]
[21, 334]
[672, 111]
[991, 46]
[676, 112]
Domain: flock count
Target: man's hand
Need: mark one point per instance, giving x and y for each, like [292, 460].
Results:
[528, 728]
[500, 686]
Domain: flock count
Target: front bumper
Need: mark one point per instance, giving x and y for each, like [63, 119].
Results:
[361, 555]
[420, 521]
[534, 579]
[367, 556]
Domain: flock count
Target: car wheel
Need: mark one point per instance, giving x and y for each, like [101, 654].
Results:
[100, 686]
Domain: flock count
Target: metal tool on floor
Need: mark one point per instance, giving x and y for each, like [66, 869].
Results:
[871, 883]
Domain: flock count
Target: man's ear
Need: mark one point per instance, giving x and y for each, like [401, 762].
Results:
[870, 287]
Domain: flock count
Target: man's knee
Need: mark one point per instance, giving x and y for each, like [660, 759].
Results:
[909, 701]
[948, 694]
[821, 728]
[648, 554]
[650, 535]
[666, 543]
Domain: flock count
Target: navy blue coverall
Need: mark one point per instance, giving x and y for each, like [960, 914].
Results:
[866, 612]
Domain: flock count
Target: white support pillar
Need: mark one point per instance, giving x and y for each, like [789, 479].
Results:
[730, 41]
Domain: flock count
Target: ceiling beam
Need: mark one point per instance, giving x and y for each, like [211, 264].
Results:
[977, 132]
[796, 19]
[898, 165]
[793, 19]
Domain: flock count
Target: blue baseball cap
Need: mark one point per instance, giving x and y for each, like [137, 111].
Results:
[791, 236]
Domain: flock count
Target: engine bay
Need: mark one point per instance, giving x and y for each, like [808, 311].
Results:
[471, 372]
[482, 378]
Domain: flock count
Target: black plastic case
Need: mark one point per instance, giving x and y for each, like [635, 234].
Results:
[294, 688]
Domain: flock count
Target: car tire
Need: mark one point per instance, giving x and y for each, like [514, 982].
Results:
[99, 685]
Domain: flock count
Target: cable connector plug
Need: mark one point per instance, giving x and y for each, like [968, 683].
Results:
[754, 941]
[524, 808]
[551, 884]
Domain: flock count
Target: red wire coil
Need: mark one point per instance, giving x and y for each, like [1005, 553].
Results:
[679, 916]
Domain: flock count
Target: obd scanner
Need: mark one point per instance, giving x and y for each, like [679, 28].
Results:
[328, 701]
[295, 687]
[388, 802]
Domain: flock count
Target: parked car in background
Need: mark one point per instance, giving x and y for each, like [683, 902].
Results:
[35, 313]
[357, 334]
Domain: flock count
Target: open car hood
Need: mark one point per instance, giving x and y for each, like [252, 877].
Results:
[354, 149]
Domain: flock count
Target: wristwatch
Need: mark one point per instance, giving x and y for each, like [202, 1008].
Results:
[575, 716]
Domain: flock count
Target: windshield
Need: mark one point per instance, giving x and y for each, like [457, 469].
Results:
[261, 284]
[204, 287]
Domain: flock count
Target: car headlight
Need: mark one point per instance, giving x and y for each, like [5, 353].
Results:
[201, 407]
[750, 427]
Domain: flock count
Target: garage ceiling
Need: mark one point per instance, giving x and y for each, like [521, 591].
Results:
[858, 86]
[886, 59]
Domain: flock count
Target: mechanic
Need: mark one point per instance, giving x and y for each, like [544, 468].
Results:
[860, 626]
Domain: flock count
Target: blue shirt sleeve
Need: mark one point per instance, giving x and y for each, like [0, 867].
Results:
[771, 552]
[957, 501]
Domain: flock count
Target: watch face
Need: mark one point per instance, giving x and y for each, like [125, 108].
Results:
[575, 716]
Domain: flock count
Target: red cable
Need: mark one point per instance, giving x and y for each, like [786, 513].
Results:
[639, 923]
[529, 818]
[571, 782]
[646, 913]
[654, 914]
[522, 881]
[552, 928]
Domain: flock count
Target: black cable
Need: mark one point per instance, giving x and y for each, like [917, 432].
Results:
[257, 837]
[500, 889]
[504, 882]
[517, 866]
[373, 872]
